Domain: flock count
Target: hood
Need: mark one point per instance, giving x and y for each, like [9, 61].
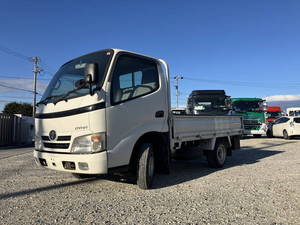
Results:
[67, 117]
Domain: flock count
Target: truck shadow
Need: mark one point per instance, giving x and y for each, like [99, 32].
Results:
[187, 170]
[181, 170]
[45, 188]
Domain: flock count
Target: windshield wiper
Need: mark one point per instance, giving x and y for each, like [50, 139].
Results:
[64, 97]
[45, 101]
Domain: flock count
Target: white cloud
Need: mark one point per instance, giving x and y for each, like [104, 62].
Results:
[274, 98]
[10, 95]
[4, 102]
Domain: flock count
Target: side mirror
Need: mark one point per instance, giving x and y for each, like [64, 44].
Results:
[91, 75]
[265, 106]
[228, 103]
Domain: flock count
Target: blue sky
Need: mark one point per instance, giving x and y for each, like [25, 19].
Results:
[248, 48]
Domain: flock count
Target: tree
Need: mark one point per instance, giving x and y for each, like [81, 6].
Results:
[18, 108]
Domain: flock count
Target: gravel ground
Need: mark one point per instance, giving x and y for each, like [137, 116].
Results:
[259, 185]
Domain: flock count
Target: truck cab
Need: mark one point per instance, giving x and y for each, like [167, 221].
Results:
[103, 117]
[252, 111]
[273, 113]
[208, 102]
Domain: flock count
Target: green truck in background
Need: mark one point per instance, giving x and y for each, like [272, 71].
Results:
[252, 111]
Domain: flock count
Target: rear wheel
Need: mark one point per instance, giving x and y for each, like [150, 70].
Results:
[145, 171]
[286, 135]
[217, 157]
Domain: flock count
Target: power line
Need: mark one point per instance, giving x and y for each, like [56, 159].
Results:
[7, 96]
[48, 69]
[16, 88]
[14, 53]
[20, 77]
[245, 83]
[26, 58]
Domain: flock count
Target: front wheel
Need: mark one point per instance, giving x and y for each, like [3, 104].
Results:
[145, 172]
[217, 157]
[286, 135]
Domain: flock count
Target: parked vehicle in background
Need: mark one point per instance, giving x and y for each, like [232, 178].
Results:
[286, 127]
[179, 111]
[253, 112]
[273, 113]
[294, 111]
[111, 110]
[208, 102]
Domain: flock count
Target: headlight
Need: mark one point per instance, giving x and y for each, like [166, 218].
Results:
[89, 143]
[38, 143]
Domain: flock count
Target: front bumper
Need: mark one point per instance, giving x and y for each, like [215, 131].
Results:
[249, 132]
[261, 131]
[95, 163]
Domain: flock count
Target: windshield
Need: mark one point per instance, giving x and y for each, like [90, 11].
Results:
[205, 104]
[273, 114]
[294, 113]
[247, 106]
[64, 80]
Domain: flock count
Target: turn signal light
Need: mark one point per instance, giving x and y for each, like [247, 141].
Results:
[96, 138]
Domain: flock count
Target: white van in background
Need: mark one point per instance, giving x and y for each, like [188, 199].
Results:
[294, 111]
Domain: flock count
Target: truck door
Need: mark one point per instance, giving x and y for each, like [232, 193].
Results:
[137, 105]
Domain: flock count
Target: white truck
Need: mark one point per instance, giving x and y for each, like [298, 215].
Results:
[111, 110]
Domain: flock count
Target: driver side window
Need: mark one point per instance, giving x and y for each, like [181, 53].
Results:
[133, 77]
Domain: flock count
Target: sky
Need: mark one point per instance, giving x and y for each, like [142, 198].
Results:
[247, 48]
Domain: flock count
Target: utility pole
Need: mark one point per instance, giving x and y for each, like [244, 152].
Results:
[177, 78]
[36, 70]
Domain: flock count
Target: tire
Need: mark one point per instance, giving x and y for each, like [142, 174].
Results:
[269, 134]
[146, 164]
[286, 135]
[257, 135]
[217, 157]
[82, 175]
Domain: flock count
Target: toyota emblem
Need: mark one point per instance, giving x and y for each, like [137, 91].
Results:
[52, 135]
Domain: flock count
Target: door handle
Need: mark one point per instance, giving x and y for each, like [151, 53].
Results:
[159, 114]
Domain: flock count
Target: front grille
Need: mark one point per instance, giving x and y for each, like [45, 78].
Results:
[59, 138]
[252, 122]
[45, 138]
[252, 127]
[56, 145]
[63, 138]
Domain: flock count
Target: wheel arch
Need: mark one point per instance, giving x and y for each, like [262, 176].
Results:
[227, 142]
[160, 142]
